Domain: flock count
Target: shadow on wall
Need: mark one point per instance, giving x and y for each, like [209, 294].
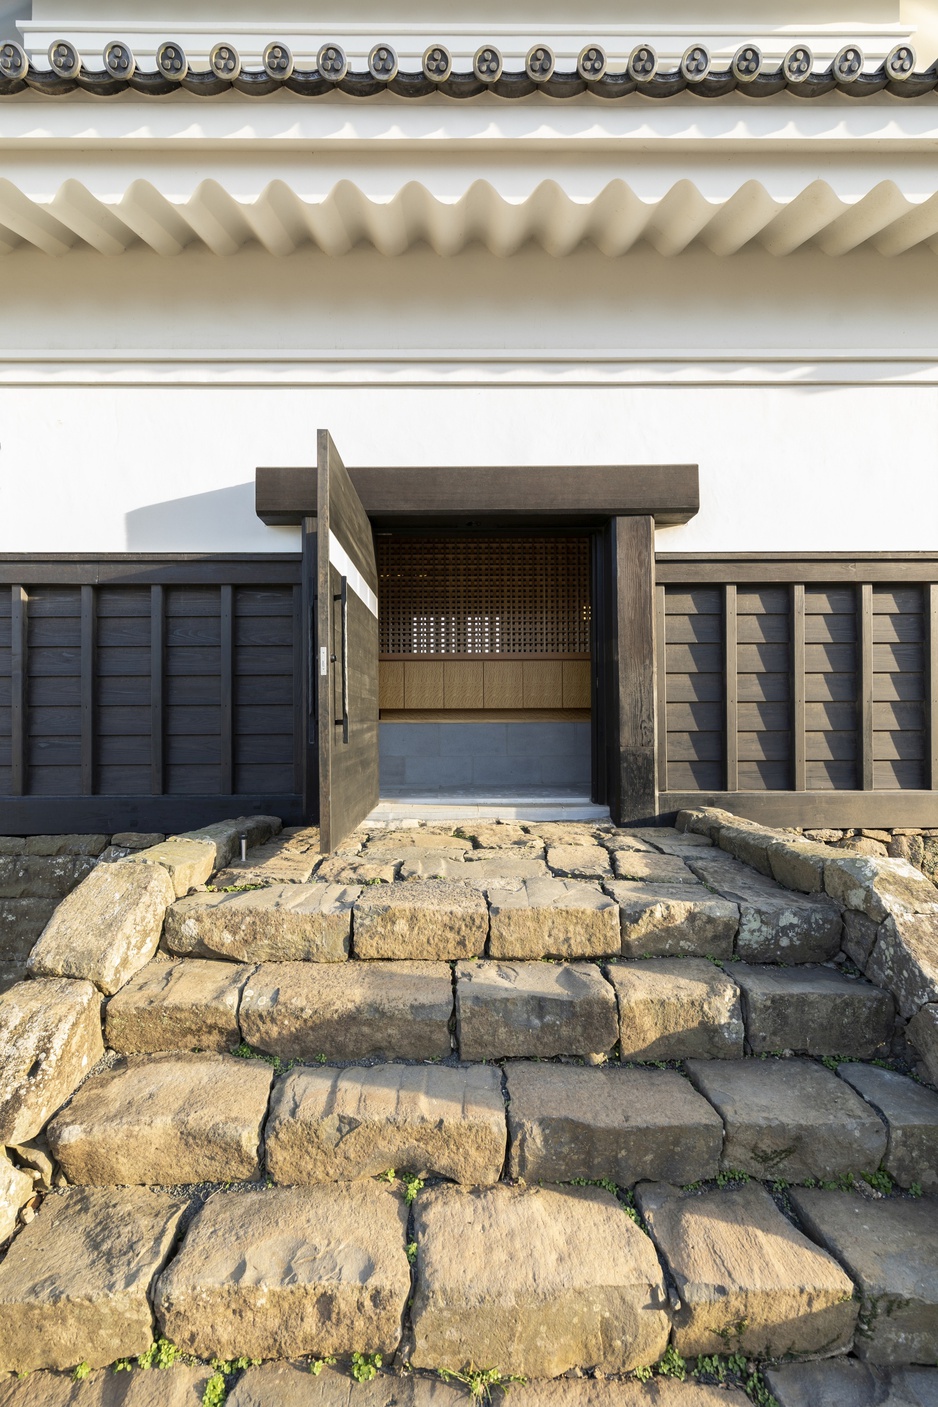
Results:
[9, 14]
[204, 522]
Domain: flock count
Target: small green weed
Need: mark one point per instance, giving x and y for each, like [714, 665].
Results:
[247, 1052]
[161, 1354]
[233, 888]
[643, 1375]
[758, 1392]
[412, 1185]
[482, 1382]
[915, 1190]
[842, 1183]
[80, 1372]
[365, 1366]
[879, 1181]
[732, 1177]
[316, 1365]
[831, 1061]
[412, 1251]
[216, 1390]
[672, 1365]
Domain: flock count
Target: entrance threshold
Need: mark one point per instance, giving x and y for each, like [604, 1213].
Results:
[534, 805]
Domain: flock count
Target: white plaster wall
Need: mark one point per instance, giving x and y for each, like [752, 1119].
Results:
[137, 395]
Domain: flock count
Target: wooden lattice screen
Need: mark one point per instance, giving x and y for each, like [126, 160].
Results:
[478, 596]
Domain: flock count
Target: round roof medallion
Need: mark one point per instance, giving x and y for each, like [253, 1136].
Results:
[14, 65]
[643, 64]
[848, 65]
[900, 63]
[332, 62]
[382, 62]
[695, 65]
[798, 63]
[591, 65]
[539, 64]
[487, 64]
[747, 63]
[172, 62]
[65, 58]
[437, 63]
[119, 59]
[278, 60]
[224, 61]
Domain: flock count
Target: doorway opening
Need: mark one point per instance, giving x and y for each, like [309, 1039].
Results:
[485, 677]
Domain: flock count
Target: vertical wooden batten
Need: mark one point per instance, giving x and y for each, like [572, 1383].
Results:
[309, 761]
[931, 722]
[866, 685]
[89, 644]
[731, 687]
[157, 673]
[227, 629]
[633, 756]
[19, 612]
[798, 689]
[661, 682]
[299, 692]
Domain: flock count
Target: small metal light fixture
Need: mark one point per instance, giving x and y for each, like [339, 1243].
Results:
[244, 846]
[798, 64]
[225, 61]
[437, 63]
[382, 63]
[900, 63]
[487, 64]
[591, 65]
[119, 59]
[14, 65]
[539, 64]
[643, 64]
[278, 61]
[64, 58]
[695, 65]
[332, 62]
[747, 63]
[848, 65]
[171, 61]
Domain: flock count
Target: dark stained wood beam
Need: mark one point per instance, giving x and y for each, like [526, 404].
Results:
[486, 496]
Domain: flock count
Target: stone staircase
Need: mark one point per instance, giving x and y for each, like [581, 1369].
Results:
[611, 1111]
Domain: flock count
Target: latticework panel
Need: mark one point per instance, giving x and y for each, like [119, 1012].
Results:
[484, 596]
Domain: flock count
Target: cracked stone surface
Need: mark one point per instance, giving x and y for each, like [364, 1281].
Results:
[911, 1116]
[775, 924]
[283, 923]
[528, 1009]
[50, 1039]
[673, 1008]
[187, 1005]
[812, 1010]
[669, 920]
[555, 918]
[422, 919]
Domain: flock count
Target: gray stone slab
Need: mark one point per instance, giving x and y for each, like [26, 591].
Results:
[579, 861]
[911, 1116]
[890, 1250]
[860, 935]
[50, 1039]
[651, 869]
[478, 868]
[74, 1283]
[566, 1122]
[880, 887]
[531, 1009]
[291, 1385]
[290, 1271]
[669, 920]
[553, 918]
[812, 1011]
[775, 925]
[905, 959]
[16, 1188]
[349, 1011]
[282, 923]
[164, 1120]
[674, 1008]
[746, 1279]
[187, 1005]
[922, 1031]
[182, 1386]
[789, 1119]
[834, 1382]
[800, 864]
[42, 877]
[326, 1125]
[592, 1296]
[420, 920]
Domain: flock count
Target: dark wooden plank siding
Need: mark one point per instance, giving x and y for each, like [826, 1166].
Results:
[832, 681]
[900, 678]
[694, 689]
[764, 715]
[264, 721]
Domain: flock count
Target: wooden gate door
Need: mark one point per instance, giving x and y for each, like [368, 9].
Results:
[347, 639]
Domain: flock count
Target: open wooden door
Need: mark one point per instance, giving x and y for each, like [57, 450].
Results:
[347, 640]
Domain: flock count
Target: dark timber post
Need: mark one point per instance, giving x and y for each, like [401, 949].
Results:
[632, 732]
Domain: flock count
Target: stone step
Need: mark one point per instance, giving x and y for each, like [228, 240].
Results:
[812, 1010]
[845, 1382]
[539, 1281]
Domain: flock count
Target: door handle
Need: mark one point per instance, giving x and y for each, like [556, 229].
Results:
[344, 720]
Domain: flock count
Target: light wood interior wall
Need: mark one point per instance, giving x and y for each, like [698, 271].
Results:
[480, 684]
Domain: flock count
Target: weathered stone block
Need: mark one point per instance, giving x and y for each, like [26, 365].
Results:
[533, 1009]
[226, 835]
[579, 861]
[799, 864]
[495, 835]
[187, 1005]
[832, 1382]
[65, 844]
[775, 925]
[674, 921]
[707, 821]
[184, 1386]
[672, 1008]
[922, 1031]
[398, 1010]
[749, 845]
[423, 919]
[668, 839]
[890, 1250]
[16, 1188]
[165, 1119]
[73, 1285]
[789, 1119]
[285, 860]
[393, 844]
[108, 928]
[137, 840]
[812, 1010]
[350, 870]
[283, 923]
[880, 888]
[21, 922]
[479, 868]
[905, 959]
[591, 1297]
[745, 1278]
[643, 868]
[911, 1116]
[50, 1038]
[42, 877]
[553, 918]
[188, 863]
[290, 1271]
[623, 1125]
[328, 1125]
[860, 935]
